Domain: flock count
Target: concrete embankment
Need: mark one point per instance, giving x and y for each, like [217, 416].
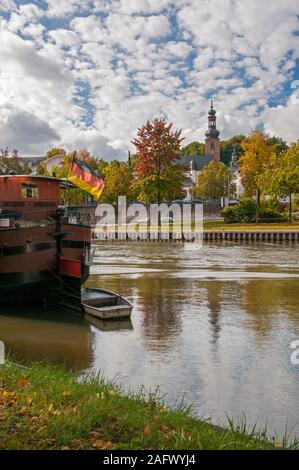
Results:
[272, 236]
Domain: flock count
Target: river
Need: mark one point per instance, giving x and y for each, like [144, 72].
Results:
[212, 327]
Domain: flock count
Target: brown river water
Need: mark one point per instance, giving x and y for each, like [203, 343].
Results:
[211, 327]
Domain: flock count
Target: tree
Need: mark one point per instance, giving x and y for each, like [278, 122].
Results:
[282, 176]
[88, 158]
[158, 177]
[10, 161]
[194, 148]
[55, 151]
[228, 146]
[214, 182]
[160, 187]
[253, 163]
[118, 179]
[279, 145]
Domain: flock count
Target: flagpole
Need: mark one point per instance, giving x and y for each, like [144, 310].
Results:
[72, 161]
[68, 176]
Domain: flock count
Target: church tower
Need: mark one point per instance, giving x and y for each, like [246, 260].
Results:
[212, 142]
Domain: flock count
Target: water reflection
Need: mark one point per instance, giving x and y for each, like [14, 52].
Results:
[113, 325]
[214, 326]
[44, 334]
[214, 297]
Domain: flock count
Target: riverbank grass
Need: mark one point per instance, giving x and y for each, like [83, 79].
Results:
[47, 407]
[220, 225]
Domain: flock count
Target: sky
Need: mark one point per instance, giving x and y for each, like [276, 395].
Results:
[88, 73]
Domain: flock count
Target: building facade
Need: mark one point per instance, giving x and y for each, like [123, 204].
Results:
[235, 172]
[196, 163]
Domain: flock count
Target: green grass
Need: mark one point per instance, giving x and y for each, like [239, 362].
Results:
[220, 225]
[47, 407]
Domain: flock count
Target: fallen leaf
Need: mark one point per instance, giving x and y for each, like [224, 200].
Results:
[101, 444]
[147, 429]
[76, 442]
[22, 383]
[41, 429]
[29, 399]
[50, 408]
[165, 428]
[95, 434]
[5, 395]
[34, 419]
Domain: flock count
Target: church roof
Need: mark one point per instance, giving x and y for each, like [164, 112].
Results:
[32, 160]
[198, 161]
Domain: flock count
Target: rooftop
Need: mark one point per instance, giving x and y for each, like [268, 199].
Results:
[198, 161]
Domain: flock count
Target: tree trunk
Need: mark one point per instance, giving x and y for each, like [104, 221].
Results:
[159, 190]
[258, 205]
[290, 209]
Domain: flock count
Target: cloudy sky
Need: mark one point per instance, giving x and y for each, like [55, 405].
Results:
[88, 73]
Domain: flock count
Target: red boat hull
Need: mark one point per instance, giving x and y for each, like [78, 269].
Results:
[29, 267]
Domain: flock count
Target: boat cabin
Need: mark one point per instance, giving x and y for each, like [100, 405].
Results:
[28, 198]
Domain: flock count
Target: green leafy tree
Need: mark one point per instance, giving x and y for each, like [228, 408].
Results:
[118, 180]
[214, 182]
[279, 145]
[194, 148]
[282, 175]
[228, 146]
[157, 188]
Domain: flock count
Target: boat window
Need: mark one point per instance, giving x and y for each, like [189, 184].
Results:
[29, 191]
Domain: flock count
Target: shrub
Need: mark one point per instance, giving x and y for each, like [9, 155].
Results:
[295, 204]
[245, 212]
[268, 214]
[230, 215]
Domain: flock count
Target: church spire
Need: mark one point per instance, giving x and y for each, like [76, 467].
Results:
[212, 146]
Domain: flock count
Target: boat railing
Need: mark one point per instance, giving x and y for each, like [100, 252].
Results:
[77, 218]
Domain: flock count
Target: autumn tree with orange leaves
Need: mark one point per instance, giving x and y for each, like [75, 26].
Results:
[257, 148]
[158, 177]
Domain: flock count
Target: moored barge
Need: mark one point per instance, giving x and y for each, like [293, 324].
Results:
[43, 249]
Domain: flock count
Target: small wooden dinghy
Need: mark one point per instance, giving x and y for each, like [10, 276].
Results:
[105, 305]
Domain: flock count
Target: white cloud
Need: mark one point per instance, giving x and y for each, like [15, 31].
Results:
[64, 37]
[20, 129]
[95, 70]
[282, 120]
[62, 8]
[132, 7]
[19, 56]
[7, 5]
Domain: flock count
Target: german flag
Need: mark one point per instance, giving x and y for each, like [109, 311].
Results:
[86, 178]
